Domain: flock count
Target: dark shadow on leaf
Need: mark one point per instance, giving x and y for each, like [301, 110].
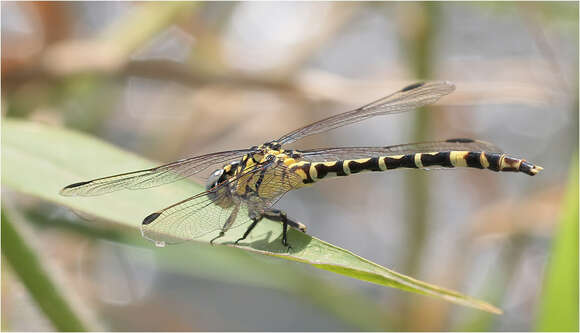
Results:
[272, 242]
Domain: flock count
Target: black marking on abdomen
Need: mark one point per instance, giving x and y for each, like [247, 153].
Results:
[322, 170]
[493, 160]
[438, 159]
[340, 169]
[473, 160]
[406, 161]
[412, 86]
[527, 167]
[372, 164]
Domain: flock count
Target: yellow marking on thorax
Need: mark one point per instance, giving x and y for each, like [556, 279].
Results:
[289, 161]
[457, 158]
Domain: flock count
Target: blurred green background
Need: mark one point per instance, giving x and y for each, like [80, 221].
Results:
[168, 80]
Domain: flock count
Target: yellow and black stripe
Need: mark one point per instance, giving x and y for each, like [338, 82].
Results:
[314, 171]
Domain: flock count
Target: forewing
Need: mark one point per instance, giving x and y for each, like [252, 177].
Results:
[152, 177]
[332, 154]
[406, 99]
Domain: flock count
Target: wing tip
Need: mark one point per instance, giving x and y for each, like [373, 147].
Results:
[67, 190]
[450, 86]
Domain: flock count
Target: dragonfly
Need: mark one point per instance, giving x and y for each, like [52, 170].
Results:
[248, 182]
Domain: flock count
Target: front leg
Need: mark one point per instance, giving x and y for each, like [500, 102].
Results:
[227, 225]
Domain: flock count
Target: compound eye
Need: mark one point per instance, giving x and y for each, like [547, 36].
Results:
[214, 179]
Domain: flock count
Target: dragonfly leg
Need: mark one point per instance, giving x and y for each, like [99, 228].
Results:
[228, 224]
[222, 233]
[280, 216]
[250, 228]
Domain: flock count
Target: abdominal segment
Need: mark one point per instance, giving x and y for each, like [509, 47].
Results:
[311, 172]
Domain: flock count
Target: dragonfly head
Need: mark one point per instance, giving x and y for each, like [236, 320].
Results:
[215, 179]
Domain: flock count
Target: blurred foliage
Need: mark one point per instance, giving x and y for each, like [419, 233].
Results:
[558, 311]
[29, 267]
[72, 73]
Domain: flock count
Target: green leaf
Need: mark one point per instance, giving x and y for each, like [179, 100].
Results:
[27, 264]
[39, 160]
[559, 302]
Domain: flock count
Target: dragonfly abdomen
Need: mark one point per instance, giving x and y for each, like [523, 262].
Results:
[314, 171]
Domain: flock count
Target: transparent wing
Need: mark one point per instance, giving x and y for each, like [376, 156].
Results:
[406, 99]
[151, 177]
[332, 154]
[193, 219]
[201, 216]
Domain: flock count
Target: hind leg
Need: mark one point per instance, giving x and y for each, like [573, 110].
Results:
[280, 216]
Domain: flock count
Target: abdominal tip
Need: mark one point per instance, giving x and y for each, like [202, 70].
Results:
[536, 169]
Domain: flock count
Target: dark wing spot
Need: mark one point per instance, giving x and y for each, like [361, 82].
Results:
[65, 192]
[460, 140]
[151, 218]
[75, 185]
[412, 86]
